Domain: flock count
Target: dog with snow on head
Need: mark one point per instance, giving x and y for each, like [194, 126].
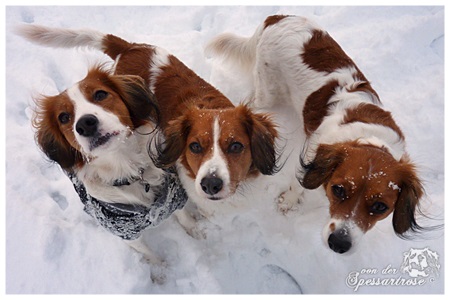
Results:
[353, 147]
[215, 145]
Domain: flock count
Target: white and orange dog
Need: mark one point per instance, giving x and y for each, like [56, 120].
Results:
[98, 131]
[354, 149]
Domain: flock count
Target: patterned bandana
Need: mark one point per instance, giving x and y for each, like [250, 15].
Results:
[128, 221]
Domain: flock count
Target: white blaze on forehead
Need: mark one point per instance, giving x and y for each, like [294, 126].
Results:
[216, 165]
[219, 165]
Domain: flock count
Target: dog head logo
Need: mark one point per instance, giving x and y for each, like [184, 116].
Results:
[420, 263]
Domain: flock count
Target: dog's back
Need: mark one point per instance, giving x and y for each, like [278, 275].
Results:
[290, 58]
[163, 73]
[272, 48]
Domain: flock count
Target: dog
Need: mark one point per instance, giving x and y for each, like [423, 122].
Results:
[98, 131]
[214, 145]
[353, 147]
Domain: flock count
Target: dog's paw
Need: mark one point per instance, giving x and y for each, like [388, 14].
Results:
[204, 229]
[288, 201]
[197, 233]
[158, 274]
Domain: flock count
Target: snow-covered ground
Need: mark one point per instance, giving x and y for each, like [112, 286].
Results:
[52, 246]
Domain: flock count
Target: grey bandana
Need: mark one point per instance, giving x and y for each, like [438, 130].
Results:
[128, 221]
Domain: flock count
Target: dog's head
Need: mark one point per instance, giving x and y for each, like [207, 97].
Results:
[364, 184]
[93, 117]
[219, 148]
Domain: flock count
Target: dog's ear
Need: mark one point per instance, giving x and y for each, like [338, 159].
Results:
[170, 147]
[138, 98]
[262, 132]
[319, 171]
[57, 150]
[408, 199]
[49, 137]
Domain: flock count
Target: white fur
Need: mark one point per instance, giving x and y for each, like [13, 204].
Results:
[61, 37]
[216, 165]
[121, 157]
[159, 60]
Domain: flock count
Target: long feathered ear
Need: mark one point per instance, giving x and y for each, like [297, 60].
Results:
[319, 171]
[262, 132]
[138, 98]
[49, 137]
[408, 199]
[57, 150]
[172, 145]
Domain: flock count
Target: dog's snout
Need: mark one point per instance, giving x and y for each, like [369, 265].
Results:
[339, 241]
[87, 125]
[211, 185]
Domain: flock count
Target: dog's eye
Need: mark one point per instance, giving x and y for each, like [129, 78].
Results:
[195, 148]
[100, 95]
[235, 147]
[339, 191]
[64, 118]
[378, 208]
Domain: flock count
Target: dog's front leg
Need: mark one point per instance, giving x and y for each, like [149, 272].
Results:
[158, 265]
[141, 247]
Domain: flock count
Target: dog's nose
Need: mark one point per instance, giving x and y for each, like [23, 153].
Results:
[211, 185]
[339, 241]
[87, 125]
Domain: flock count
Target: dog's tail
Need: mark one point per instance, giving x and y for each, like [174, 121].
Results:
[109, 44]
[235, 50]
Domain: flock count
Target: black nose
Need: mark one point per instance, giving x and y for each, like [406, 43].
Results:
[339, 241]
[211, 185]
[87, 125]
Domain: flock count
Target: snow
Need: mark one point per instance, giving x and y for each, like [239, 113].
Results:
[53, 247]
[394, 186]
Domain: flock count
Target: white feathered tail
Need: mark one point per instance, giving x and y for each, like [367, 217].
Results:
[61, 38]
[234, 50]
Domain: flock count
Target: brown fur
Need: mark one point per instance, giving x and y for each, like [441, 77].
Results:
[316, 107]
[179, 89]
[183, 97]
[323, 54]
[372, 114]
[271, 20]
[368, 175]
[254, 131]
